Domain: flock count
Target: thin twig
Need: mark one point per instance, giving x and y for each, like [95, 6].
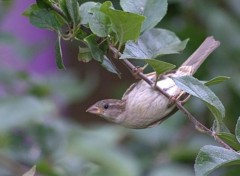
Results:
[131, 66]
[198, 125]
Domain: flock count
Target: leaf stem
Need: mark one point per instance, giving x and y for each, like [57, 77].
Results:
[198, 125]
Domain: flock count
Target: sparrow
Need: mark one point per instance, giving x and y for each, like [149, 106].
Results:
[141, 105]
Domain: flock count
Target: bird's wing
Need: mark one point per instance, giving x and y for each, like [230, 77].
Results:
[129, 90]
[159, 121]
[149, 75]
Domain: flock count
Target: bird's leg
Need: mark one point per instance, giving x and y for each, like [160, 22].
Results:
[179, 97]
[185, 99]
[156, 80]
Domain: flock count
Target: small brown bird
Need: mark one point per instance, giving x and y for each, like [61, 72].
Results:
[143, 106]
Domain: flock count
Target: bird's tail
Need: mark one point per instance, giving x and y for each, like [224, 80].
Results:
[200, 55]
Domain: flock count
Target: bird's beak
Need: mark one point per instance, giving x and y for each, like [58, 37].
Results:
[94, 110]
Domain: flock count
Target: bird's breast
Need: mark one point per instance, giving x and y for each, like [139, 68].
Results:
[146, 105]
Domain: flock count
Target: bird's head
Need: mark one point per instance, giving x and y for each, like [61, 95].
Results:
[109, 109]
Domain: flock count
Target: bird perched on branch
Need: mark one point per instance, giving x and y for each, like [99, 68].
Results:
[142, 105]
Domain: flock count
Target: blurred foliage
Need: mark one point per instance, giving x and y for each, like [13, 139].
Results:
[34, 132]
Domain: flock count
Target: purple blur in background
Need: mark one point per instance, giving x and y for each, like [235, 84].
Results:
[38, 44]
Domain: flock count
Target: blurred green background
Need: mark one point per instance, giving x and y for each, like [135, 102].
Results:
[42, 109]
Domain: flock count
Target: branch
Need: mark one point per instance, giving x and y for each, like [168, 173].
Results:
[198, 125]
[130, 65]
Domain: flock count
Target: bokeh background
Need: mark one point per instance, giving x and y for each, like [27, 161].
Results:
[42, 109]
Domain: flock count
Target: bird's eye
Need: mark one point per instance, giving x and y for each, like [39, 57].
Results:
[106, 106]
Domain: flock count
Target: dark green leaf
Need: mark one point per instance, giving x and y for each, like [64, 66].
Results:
[216, 80]
[212, 157]
[108, 65]
[84, 54]
[153, 10]
[80, 34]
[153, 43]
[126, 25]
[44, 18]
[30, 10]
[96, 52]
[43, 4]
[237, 130]
[159, 66]
[64, 9]
[85, 11]
[31, 172]
[73, 10]
[230, 139]
[58, 54]
[99, 23]
[196, 88]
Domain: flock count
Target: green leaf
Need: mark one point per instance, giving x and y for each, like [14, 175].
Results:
[160, 66]
[44, 18]
[108, 65]
[237, 130]
[30, 10]
[85, 11]
[58, 54]
[212, 157]
[153, 43]
[216, 80]
[63, 7]
[43, 4]
[153, 10]
[31, 172]
[73, 10]
[80, 34]
[96, 52]
[230, 139]
[196, 88]
[99, 23]
[84, 54]
[126, 25]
